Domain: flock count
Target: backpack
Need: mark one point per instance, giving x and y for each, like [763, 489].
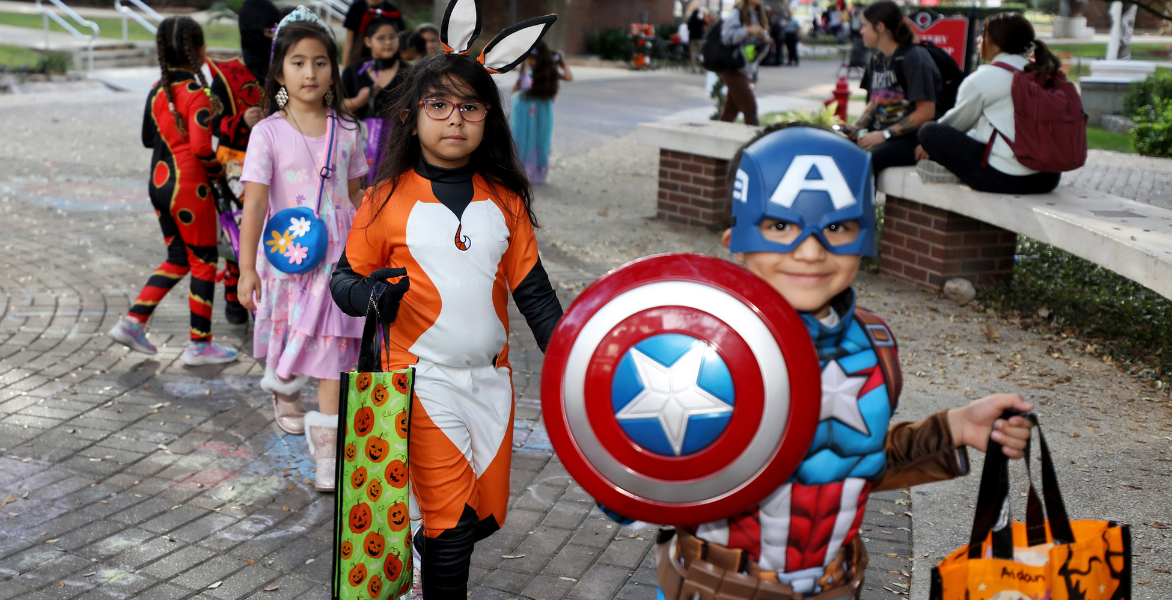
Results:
[717, 56]
[950, 73]
[1050, 126]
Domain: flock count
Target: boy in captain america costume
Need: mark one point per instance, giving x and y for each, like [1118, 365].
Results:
[803, 217]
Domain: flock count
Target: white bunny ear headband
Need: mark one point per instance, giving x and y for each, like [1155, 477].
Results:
[461, 26]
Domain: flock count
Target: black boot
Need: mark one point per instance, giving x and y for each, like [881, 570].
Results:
[445, 559]
[235, 313]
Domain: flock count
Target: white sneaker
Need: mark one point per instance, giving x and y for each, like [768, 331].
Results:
[132, 335]
[206, 353]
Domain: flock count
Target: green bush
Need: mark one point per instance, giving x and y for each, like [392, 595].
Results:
[1152, 135]
[612, 43]
[1141, 100]
[1049, 7]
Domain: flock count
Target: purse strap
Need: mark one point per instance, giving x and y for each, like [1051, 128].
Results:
[327, 170]
[993, 514]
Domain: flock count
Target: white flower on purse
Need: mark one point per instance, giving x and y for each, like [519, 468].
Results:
[298, 226]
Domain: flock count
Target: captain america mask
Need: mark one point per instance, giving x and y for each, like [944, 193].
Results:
[811, 179]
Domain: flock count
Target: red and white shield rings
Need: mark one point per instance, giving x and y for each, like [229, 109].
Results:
[680, 389]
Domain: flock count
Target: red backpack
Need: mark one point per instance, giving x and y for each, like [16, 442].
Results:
[1050, 125]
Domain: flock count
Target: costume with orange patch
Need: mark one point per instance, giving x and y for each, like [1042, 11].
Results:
[466, 247]
[182, 164]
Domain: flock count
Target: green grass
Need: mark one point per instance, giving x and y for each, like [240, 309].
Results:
[1138, 51]
[14, 57]
[1101, 139]
[216, 36]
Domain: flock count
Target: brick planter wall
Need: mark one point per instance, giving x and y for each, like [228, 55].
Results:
[928, 246]
[693, 190]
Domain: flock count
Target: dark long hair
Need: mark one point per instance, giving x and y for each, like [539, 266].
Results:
[288, 37]
[177, 42]
[891, 16]
[495, 158]
[1013, 33]
[545, 74]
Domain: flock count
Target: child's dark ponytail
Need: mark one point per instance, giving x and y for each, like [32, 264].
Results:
[177, 43]
[891, 16]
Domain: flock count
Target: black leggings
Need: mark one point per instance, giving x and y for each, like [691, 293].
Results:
[962, 155]
[895, 152]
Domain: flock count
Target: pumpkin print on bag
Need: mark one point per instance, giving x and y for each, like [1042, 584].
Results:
[351, 452]
[374, 586]
[347, 550]
[401, 424]
[400, 382]
[357, 575]
[363, 382]
[396, 474]
[374, 544]
[376, 449]
[358, 478]
[380, 395]
[392, 566]
[364, 421]
[360, 518]
[374, 489]
[397, 516]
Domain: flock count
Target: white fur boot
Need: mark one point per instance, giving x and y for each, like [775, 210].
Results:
[323, 447]
[287, 406]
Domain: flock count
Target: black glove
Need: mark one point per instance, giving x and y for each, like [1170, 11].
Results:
[385, 295]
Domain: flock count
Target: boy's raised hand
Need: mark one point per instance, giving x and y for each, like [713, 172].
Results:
[974, 424]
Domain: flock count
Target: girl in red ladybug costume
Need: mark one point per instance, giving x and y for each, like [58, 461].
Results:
[177, 125]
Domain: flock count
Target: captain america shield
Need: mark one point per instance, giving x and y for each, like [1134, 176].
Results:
[680, 389]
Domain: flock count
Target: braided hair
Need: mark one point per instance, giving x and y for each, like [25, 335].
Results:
[178, 43]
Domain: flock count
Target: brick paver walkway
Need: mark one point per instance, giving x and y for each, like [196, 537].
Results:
[123, 475]
[1141, 178]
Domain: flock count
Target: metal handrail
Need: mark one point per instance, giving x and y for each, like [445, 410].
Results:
[333, 9]
[130, 12]
[49, 14]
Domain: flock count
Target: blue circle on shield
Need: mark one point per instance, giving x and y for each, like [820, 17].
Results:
[672, 394]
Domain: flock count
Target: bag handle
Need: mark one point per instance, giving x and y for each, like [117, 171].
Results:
[374, 338]
[993, 514]
[327, 170]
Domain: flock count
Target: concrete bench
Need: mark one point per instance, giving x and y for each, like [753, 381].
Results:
[932, 232]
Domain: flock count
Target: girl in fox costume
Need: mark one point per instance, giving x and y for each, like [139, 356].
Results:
[450, 217]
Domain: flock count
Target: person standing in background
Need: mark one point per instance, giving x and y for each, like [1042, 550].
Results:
[532, 111]
[743, 28]
[792, 28]
[696, 27]
[357, 18]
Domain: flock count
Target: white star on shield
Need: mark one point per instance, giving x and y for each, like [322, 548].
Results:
[840, 397]
[671, 394]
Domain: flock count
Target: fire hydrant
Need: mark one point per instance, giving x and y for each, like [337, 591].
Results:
[842, 95]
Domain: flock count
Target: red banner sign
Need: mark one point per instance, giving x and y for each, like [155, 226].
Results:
[951, 34]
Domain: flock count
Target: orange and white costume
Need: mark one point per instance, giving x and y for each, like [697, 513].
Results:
[463, 258]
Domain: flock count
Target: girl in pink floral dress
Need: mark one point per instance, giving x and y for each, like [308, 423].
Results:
[300, 332]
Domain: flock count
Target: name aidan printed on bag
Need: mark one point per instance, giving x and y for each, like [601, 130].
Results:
[1021, 576]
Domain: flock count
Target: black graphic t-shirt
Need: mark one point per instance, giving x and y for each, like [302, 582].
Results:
[892, 101]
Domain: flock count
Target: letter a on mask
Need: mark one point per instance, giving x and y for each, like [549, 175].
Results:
[796, 181]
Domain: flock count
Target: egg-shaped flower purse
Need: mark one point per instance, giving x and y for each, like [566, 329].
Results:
[295, 238]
